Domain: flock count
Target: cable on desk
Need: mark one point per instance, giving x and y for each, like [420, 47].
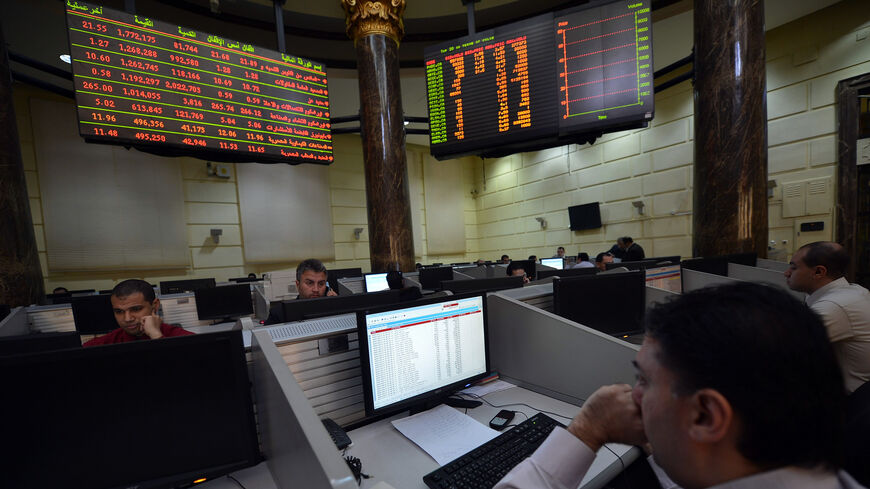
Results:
[355, 466]
[237, 481]
[475, 396]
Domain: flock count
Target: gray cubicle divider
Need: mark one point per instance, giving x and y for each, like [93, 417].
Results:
[51, 318]
[15, 324]
[693, 279]
[762, 275]
[297, 448]
[485, 271]
[539, 295]
[779, 266]
[655, 295]
[457, 275]
[578, 359]
[351, 285]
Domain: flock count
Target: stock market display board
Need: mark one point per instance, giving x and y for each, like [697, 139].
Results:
[541, 82]
[143, 82]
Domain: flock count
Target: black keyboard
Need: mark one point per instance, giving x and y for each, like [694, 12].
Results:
[484, 466]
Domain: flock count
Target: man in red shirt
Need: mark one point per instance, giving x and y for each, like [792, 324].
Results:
[135, 307]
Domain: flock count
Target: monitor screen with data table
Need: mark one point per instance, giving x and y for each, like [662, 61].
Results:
[557, 263]
[417, 356]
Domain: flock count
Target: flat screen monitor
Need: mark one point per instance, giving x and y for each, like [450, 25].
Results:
[144, 414]
[376, 282]
[332, 276]
[431, 277]
[482, 284]
[585, 216]
[613, 303]
[244, 280]
[93, 314]
[528, 266]
[413, 356]
[665, 260]
[302, 309]
[190, 285]
[148, 83]
[61, 298]
[38, 342]
[557, 263]
[540, 82]
[570, 272]
[226, 302]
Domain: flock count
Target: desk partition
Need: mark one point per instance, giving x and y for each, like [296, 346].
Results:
[297, 448]
[777, 266]
[545, 353]
[762, 275]
[693, 279]
[15, 324]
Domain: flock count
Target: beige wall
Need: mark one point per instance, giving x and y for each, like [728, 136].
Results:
[805, 59]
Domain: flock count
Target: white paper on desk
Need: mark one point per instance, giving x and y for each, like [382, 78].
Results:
[488, 388]
[444, 433]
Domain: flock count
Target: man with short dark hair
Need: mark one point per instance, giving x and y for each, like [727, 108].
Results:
[560, 252]
[602, 260]
[505, 259]
[518, 269]
[135, 307]
[737, 387]
[583, 261]
[311, 280]
[819, 269]
[631, 250]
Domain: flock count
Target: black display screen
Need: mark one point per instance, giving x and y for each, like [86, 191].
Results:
[143, 82]
[541, 82]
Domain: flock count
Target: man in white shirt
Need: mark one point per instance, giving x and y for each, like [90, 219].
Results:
[583, 261]
[737, 388]
[818, 269]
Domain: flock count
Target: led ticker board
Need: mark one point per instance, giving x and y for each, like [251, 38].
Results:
[148, 83]
[542, 82]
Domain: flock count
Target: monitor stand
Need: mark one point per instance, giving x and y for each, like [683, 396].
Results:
[450, 401]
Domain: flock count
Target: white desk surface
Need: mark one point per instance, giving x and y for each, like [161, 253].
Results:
[388, 456]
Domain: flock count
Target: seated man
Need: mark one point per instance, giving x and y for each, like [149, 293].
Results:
[583, 261]
[819, 269]
[560, 252]
[135, 307]
[517, 269]
[397, 282]
[602, 260]
[505, 259]
[310, 283]
[737, 387]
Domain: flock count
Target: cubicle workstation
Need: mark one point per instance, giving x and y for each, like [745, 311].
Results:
[763, 275]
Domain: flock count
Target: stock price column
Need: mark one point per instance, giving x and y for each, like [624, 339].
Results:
[140, 80]
[491, 89]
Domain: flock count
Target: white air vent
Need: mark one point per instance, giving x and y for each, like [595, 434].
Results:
[315, 327]
[793, 199]
[820, 199]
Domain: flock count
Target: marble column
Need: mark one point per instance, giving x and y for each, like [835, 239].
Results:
[730, 172]
[20, 272]
[376, 28]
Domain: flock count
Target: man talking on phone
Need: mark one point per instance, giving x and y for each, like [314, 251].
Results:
[310, 283]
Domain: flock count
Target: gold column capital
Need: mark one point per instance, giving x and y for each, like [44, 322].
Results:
[369, 17]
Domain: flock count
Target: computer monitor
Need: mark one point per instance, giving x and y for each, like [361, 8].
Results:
[416, 356]
[376, 282]
[632, 265]
[529, 266]
[190, 285]
[61, 298]
[557, 263]
[143, 414]
[431, 277]
[302, 309]
[665, 260]
[568, 272]
[38, 342]
[227, 302]
[332, 276]
[93, 314]
[613, 304]
[482, 284]
[585, 216]
[244, 280]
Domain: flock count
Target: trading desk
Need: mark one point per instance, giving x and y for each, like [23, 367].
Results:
[389, 456]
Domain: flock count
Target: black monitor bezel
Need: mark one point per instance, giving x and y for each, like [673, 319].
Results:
[253, 456]
[83, 327]
[204, 313]
[332, 306]
[558, 300]
[332, 276]
[489, 284]
[435, 396]
[591, 216]
[568, 272]
[434, 281]
[168, 287]
[39, 342]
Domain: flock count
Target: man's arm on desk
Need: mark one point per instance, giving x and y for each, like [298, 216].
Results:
[610, 415]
